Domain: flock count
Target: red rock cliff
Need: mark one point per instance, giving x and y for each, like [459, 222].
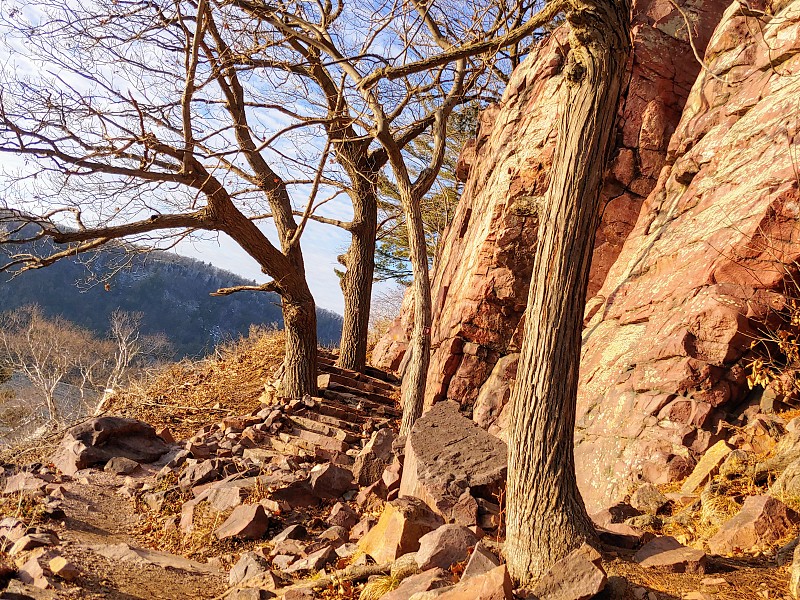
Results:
[480, 284]
[663, 353]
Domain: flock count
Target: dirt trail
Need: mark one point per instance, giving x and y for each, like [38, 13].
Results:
[96, 524]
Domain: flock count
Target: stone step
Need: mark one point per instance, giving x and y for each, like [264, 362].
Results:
[375, 398]
[345, 421]
[286, 447]
[314, 426]
[355, 383]
[369, 407]
[312, 441]
[327, 365]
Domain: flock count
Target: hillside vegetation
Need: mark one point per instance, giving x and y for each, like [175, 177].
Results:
[171, 291]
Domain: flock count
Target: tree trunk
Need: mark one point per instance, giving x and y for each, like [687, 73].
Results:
[300, 362]
[413, 390]
[357, 280]
[299, 310]
[546, 517]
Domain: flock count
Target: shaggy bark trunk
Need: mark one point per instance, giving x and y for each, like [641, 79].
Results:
[357, 281]
[546, 517]
[300, 363]
[413, 391]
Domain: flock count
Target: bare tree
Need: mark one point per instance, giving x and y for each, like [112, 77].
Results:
[169, 118]
[546, 517]
[46, 350]
[350, 90]
[140, 126]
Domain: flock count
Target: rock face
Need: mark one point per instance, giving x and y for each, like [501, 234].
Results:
[480, 284]
[446, 457]
[99, 440]
[667, 337]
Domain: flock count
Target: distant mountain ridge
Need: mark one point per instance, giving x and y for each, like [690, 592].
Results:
[171, 291]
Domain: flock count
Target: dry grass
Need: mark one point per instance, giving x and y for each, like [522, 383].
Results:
[744, 579]
[188, 395]
[379, 586]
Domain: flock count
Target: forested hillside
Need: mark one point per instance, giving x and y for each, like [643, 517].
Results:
[171, 291]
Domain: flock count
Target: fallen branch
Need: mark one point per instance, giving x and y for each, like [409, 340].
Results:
[351, 573]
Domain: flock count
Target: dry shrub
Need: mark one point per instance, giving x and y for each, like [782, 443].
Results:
[188, 395]
[379, 586]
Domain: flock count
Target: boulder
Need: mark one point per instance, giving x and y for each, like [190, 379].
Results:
[330, 480]
[446, 454]
[99, 440]
[249, 522]
[762, 521]
[445, 546]
[577, 576]
[398, 531]
[668, 555]
[493, 585]
[121, 465]
[374, 457]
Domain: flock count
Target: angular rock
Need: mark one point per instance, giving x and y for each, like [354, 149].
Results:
[374, 457]
[11, 529]
[330, 481]
[250, 594]
[293, 532]
[342, 516]
[494, 585]
[64, 569]
[120, 465]
[762, 521]
[649, 499]
[445, 454]
[421, 582]
[31, 541]
[445, 546]
[315, 561]
[794, 574]
[199, 473]
[32, 573]
[98, 440]
[24, 482]
[482, 560]
[249, 565]
[577, 576]
[249, 522]
[669, 555]
[361, 528]
[296, 495]
[398, 531]
[706, 467]
[392, 475]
